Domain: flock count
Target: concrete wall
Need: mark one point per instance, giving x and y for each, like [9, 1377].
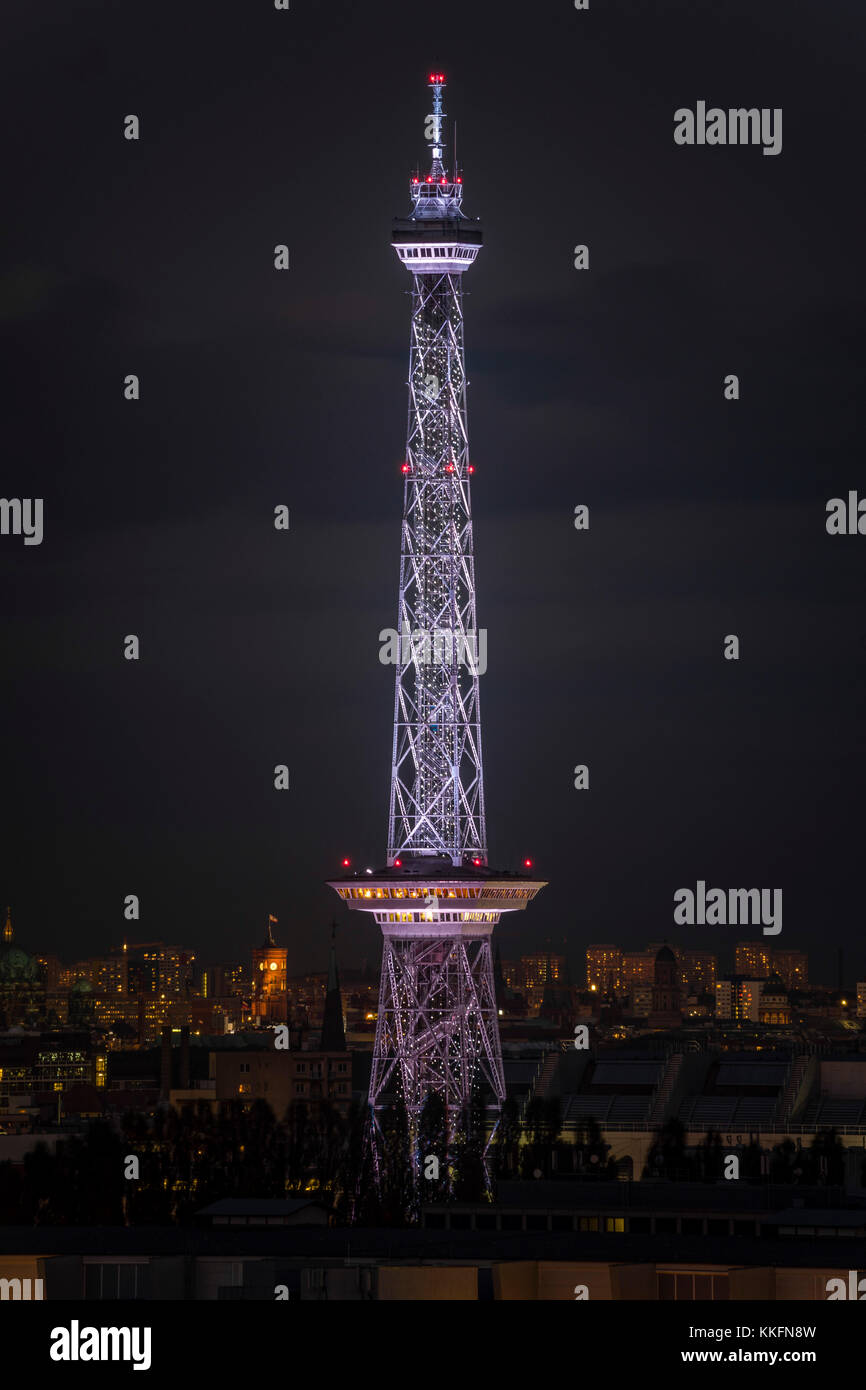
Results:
[23, 1267]
[845, 1079]
[808, 1084]
[428, 1283]
[516, 1281]
[557, 1280]
[757, 1283]
[808, 1284]
[346, 1284]
[633, 1281]
[214, 1273]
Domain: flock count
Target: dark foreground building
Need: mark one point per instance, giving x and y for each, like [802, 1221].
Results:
[602, 1241]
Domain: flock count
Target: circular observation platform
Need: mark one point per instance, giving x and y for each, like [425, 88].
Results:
[432, 897]
[437, 245]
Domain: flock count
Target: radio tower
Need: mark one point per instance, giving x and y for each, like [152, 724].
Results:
[437, 901]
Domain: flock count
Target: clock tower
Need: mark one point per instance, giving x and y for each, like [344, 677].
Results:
[269, 1002]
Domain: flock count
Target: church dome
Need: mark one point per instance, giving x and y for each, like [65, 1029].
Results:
[16, 967]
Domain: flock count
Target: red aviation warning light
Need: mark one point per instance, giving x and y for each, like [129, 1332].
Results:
[398, 863]
[346, 863]
[405, 468]
[527, 863]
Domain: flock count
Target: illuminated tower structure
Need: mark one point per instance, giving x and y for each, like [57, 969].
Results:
[437, 900]
[269, 1001]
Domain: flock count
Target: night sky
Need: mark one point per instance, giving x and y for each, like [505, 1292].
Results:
[603, 387]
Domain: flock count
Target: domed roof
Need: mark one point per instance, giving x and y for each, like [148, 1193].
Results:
[666, 954]
[16, 967]
[774, 984]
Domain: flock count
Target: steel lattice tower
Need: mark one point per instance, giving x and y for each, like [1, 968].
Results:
[437, 901]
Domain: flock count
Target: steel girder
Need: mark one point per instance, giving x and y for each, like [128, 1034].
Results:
[437, 1028]
[437, 787]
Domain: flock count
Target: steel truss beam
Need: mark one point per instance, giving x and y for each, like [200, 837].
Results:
[437, 785]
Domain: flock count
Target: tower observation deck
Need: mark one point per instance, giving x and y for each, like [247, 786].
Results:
[437, 900]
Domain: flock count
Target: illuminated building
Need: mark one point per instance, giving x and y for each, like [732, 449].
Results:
[81, 970]
[792, 967]
[536, 972]
[22, 990]
[172, 966]
[698, 970]
[225, 980]
[144, 1018]
[666, 1012]
[637, 970]
[50, 1061]
[603, 968]
[773, 1006]
[269, 1001]
[108, 974]
[752, 958]
[641, 998]
[144, 967]
[140, 978]
[738, 998]
[50, 967]
[283, 1078]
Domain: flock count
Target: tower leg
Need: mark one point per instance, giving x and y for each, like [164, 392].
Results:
[437, 1035]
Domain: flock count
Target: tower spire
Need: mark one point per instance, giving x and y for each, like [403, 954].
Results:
[8, 933]
[433, 129]
[436, 195]
[333, 1032]
[333, 973]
